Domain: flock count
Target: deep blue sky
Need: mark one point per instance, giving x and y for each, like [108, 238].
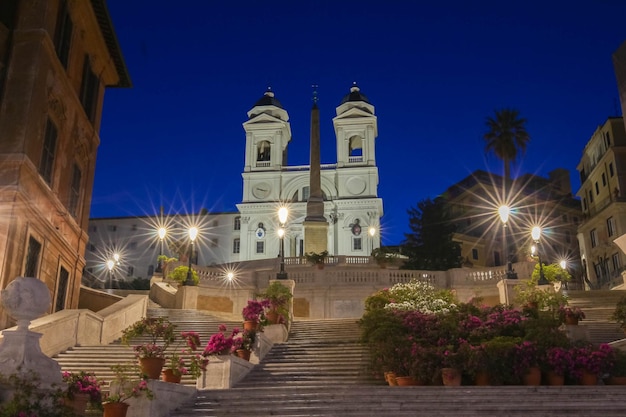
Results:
[433, 70]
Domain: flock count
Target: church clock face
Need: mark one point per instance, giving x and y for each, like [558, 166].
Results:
[261, 190]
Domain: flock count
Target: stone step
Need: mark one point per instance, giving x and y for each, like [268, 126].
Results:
[365, 400]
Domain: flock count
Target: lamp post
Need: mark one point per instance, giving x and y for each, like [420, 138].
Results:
[110, 263]
[283, 213]
[193, 233]
[503, 212]
[536, 235]
[162, 232]
[372, 232]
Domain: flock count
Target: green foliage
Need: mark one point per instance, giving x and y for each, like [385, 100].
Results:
[127, 383]
[619, 360]
[279, 297]
[420, 296]
[552, 273]
[29, 399]
[499, 353]
[539, 299]
[157, 329]
[179, 274]
[619, 315]
[430, 246]
[316, 258]
[506, 136]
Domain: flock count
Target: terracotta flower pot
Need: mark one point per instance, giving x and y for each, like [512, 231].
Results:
[250, 325]
[115, 409]
[588, 378]
[168, 375]
[390, 377]
[571, 320]
[451, 377]
[482, 378]
[152, 367]
[554, 379]
[405, 381]
[243, 354]
[78, 404]
[532, 376]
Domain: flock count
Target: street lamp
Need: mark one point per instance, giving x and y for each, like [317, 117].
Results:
[283, 213]
[162, 232]
[536, 235]
[110, 265]
[503, 212]
[372, 232]
[193, 233]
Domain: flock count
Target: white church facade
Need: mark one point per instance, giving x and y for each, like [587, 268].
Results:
[349, 187]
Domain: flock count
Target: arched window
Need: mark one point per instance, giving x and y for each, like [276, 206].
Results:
[263, 151]
[355, 146]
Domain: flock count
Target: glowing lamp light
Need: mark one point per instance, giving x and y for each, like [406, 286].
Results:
[563, 264]
[372, 231]
[503, 212]
[110, 264]
[281, 232]
[162, 232]
[116, 257]
[536, 233]
[193, 233]
[533, 250]
[283, 213]
[230, 276]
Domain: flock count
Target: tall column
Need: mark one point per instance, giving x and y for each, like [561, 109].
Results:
[315, 225]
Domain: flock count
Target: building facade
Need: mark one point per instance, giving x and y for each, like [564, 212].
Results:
[351, 204]
[56, 59]
[533, 201]
[602, 170]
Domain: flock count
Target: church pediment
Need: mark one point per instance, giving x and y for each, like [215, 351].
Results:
[354, 112]
[264, 118]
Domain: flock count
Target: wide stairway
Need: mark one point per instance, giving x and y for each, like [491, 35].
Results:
[598, 307]
[322, 371]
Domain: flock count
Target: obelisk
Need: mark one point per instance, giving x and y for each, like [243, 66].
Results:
[315, 224]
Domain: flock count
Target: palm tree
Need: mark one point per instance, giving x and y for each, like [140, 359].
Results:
[506, 136]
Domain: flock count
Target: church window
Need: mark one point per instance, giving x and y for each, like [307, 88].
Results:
[64, 277]
[357, 244]
[306, 192]
[263, 151]
[260, 247]
[237, 223]
[611, 172]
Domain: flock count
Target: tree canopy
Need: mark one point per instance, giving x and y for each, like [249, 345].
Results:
[429, 246]
[506, 137]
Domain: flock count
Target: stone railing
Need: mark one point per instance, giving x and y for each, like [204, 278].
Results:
[337, 290]
[68, 328]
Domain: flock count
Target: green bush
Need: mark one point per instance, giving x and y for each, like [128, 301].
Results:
[179, 274]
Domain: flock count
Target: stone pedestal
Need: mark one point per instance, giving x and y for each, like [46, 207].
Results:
[167, 397]
[223, 372]
[26, 299]
[262, 345]
[187, 297]
[577, 332]
[506, 290]
[276, 333]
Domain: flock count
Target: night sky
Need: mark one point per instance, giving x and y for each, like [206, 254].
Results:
[433, 71]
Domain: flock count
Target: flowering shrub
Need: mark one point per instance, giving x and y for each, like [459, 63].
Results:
[595, 361]
[128, 383]
[82, 383]
[559, 360]
[420, 296]
[157, 330]
[245, 341]
[574, 312]
[219, 344]
[29, 400]
[525, 356]
[184, 361]
[255, 310]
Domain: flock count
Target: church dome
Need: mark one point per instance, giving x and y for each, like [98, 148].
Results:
[268, 99]
[355, 95]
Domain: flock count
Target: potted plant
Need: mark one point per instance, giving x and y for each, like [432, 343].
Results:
[82, 388]
[179, 274]
[619, 315]
[316, 259]
[570, 315]
[254, 313]
[243, 345]
[590, 362]
[163, 261]
[219, 343]
[617, 374]
[526, 359]
[128, 382]
[278, 297]
[558, 363]
[151, 355]
[186, 362]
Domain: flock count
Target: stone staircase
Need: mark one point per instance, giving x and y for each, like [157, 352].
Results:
[598, 306]
[98, 359]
